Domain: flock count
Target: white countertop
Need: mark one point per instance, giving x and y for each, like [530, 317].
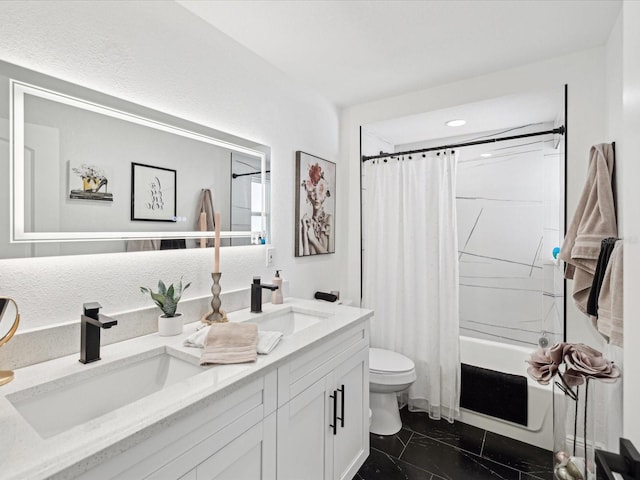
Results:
[25, 455]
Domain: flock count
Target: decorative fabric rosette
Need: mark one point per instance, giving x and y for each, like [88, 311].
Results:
[580, 361]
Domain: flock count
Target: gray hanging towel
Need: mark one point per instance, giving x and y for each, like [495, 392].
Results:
[206, 206]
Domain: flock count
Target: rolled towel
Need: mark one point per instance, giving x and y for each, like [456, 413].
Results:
[230, 343]
[267, 341]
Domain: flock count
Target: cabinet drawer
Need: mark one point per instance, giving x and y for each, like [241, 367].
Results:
[306, 369]
[250, 456]
[245, 450]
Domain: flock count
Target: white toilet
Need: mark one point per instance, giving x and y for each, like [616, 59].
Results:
[389, 374]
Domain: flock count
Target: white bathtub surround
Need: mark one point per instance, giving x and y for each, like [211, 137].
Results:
[510, 217]
[410, 271]
[112, 443]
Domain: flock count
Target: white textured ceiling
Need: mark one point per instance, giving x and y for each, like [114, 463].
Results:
[356, 51]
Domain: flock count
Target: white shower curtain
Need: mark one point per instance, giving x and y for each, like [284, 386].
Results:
[410, 273]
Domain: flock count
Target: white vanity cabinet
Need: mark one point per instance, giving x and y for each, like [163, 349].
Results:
[323, 397]
[304, 418]
[231, 438]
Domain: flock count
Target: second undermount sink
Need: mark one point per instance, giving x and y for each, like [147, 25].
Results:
[54, 407]
[290, 320]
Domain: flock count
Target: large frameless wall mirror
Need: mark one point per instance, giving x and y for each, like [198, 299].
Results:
[90, 173]
[510, 201]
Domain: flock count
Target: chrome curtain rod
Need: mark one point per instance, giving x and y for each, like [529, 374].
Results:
[560, 130]
[236, 175]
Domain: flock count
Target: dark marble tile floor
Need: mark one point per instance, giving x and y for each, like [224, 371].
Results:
[426, 449]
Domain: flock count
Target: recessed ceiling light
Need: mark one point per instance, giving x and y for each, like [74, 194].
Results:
[455, 123]
[485, 155]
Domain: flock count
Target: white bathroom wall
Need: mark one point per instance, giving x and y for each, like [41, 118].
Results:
[583, 72]
[613, 92]
[629, 148]
[161, 56]
[611, 395]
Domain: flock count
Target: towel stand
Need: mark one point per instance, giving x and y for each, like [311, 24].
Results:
[626, 463]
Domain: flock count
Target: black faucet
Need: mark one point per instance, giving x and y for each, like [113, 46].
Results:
[90, 324]
[256, 294]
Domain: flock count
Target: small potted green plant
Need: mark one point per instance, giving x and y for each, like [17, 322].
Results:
[170, 322]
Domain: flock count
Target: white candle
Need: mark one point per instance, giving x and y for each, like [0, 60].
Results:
[216, 267]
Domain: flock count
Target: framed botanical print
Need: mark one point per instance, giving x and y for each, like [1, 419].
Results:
[315, 205]
[153, 193]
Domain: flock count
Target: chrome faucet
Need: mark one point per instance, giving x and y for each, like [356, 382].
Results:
[90, 325]
[256, 294]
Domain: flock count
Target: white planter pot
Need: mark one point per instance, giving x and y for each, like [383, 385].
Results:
[168, 326]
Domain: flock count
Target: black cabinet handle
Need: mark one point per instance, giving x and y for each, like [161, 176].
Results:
[341, 417]
[335, 412]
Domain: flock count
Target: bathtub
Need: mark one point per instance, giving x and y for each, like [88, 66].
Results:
[510, 359]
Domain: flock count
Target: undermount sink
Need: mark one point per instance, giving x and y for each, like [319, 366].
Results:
[289, 321]
[57, 406]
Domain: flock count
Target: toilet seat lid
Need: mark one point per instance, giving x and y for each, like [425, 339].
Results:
[386, 361]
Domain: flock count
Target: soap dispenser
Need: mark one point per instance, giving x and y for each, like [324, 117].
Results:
[276, 295]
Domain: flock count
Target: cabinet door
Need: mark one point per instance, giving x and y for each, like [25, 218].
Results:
[303, 434]
[351, 444]
[249, 457]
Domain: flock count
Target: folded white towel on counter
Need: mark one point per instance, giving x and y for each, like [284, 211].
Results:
[267, 341]
[196, 339]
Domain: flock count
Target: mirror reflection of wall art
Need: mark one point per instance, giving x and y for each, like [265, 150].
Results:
[89, 182]
[153, 193]
[315, 205]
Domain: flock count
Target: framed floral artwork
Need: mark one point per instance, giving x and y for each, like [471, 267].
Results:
[315, 205]
[153, 193]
